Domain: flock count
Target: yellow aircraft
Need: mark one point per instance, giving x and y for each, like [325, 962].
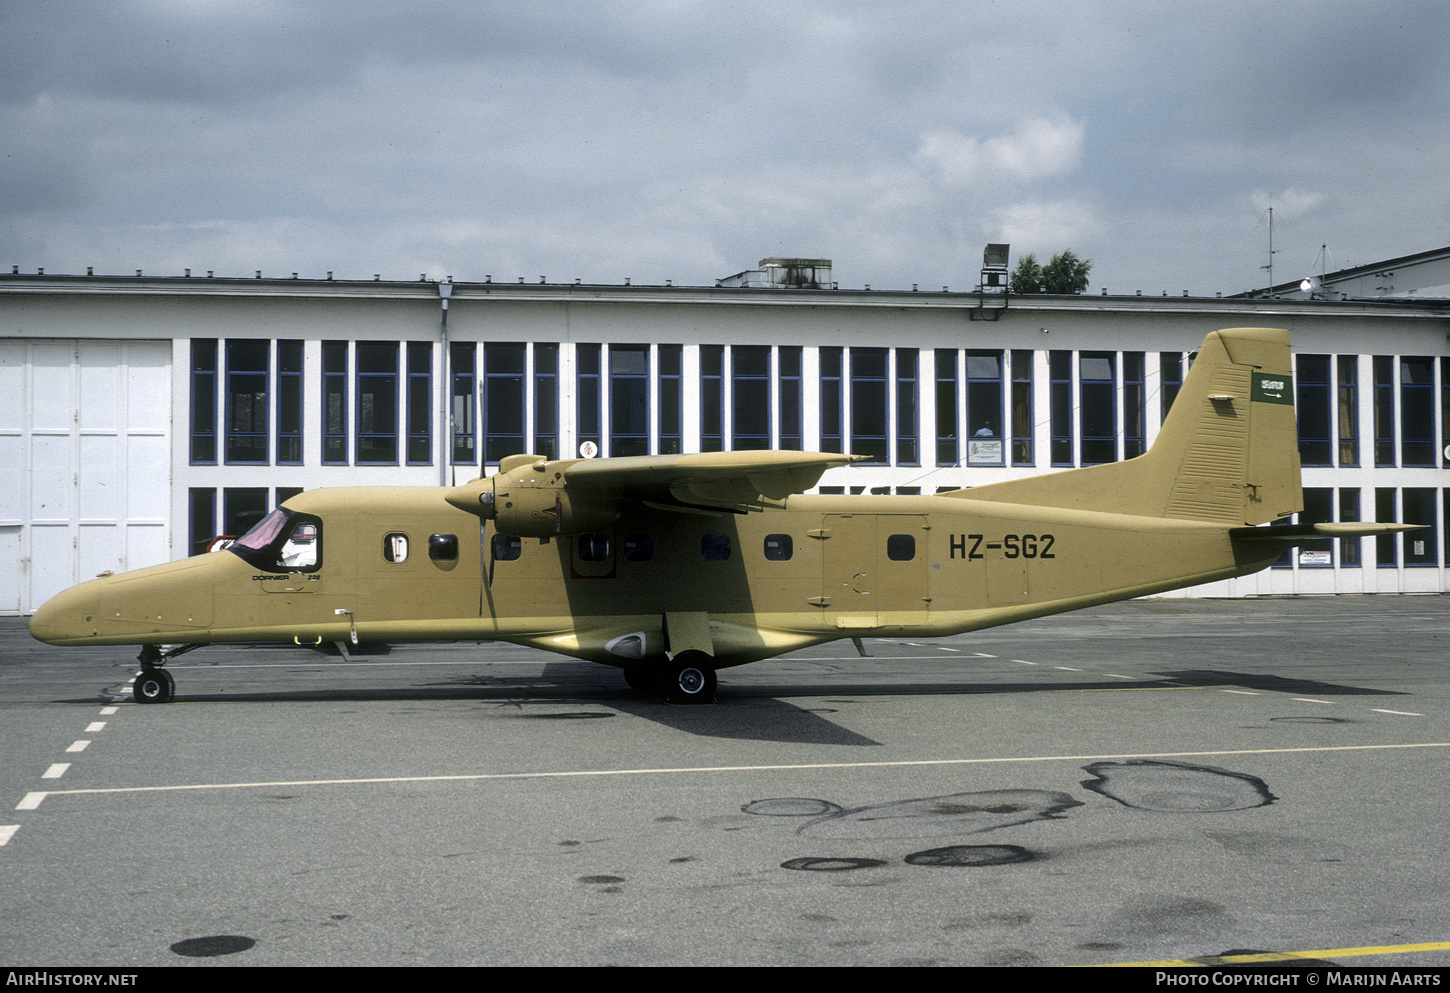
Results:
[672, 567]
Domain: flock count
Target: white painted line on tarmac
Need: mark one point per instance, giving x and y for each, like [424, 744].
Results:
[107, 711]
[7, 831]
[95, 726]
[1397, 713]
[55, 771]
[1024, 661]
[1116, 676]
[1305, 699]
[700, 770]
[1241, 692]
[1066, 668]
[78, 746]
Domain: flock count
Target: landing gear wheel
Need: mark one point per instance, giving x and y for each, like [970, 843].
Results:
[691, 679]
[645, 677]
[153, 686]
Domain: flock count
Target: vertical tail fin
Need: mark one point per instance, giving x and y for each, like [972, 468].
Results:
[1227, 453]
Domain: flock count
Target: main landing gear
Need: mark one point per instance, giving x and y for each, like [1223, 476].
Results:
[687, 678]
[153, 684]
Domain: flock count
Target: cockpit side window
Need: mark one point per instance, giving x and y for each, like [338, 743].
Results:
[283, 541]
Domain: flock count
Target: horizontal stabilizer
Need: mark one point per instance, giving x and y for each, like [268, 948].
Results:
[1297, 534]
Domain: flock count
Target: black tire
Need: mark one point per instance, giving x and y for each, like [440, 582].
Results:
[691, 679]
[644, 677]
[153, 686]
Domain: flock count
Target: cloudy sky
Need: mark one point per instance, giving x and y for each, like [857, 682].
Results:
[687, 140]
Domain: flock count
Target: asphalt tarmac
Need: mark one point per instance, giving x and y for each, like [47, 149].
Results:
[1154, 781]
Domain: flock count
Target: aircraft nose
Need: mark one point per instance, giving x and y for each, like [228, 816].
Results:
[61, 618]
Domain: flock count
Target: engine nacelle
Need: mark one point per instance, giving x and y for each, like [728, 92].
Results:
[530, 498]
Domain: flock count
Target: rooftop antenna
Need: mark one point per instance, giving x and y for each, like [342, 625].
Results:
[1270, 266]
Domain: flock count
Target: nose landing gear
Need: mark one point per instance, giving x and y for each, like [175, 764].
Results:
[153, 684]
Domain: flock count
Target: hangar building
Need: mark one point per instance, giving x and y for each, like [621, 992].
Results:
[142, 415]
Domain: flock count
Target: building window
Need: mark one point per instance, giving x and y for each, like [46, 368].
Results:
[750, 396]
[1132, 404]
[203, 401]
[628, 400]
[546, 400]
[377, 403]
[502, 402]
[1418, 507]
[1311, 373]
[1348, 415]
[246, 401]
[202, 511]
[868, 404]
[788, 363]
[712, 398]
[1022, 450]
[334, 403]
[1417, 412]
[242, 508]
[984, 408]
[1318, 509]
[1349, 511]
[465, 427]
[908, 424]
[832, 435]
[671, 391]
[1170, 375]
[1097, 427]
[289, 403]
[1386, 550]
[948, 451]
[420, 402]
[586, 360]
[1384, 410]
[1059, 371]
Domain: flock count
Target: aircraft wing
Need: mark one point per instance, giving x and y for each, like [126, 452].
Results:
[732, 481]
[531, 496]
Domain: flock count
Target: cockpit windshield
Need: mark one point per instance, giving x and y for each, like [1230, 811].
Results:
[283, 541]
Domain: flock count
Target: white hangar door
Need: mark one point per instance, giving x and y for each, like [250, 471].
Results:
[85, 463]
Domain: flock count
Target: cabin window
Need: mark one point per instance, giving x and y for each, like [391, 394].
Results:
[507, 547]
[901, 547]
[395, 547]
[639, 547]
[778, 548]
[443, 547]
[715, 547]
[594, 547]
[283, 541]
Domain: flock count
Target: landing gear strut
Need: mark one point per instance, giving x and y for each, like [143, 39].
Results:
[153, 684]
